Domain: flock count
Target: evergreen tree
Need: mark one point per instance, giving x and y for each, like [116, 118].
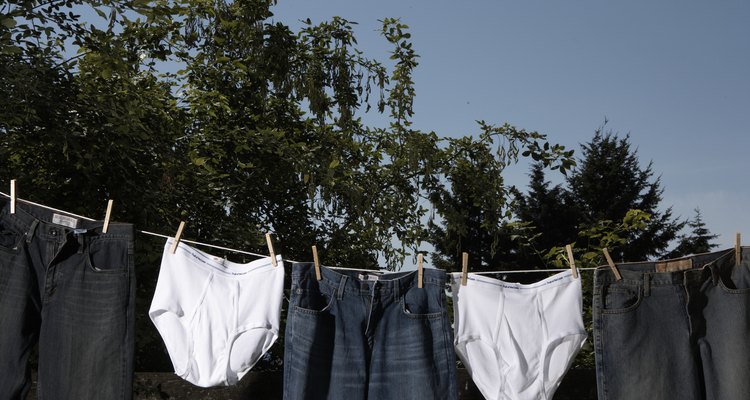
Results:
[699, 240]
[609, 182]
[552, 216]
[471, 208]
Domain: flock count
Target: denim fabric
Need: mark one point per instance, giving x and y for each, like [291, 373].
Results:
[72, 291]
[348, 337]
[674, 335]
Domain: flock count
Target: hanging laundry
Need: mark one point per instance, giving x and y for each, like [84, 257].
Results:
[517, 341]
[355, 335]
[674, 329]
[217, 318]
[71, 287]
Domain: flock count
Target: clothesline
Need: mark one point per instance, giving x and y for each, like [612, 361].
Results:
[525, 271]
[266, 255]
[203, 244]
[141, 231]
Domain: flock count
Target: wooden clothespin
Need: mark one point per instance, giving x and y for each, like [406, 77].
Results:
[177, 236]
[316, 262]
[464, 268]
[269, 242]
[571, 261]
[611, 264]
[107, 215]
[420, 270]
[737, 250]
[12, 196]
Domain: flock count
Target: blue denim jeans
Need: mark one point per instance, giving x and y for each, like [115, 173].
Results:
[351, 337]
[677, 330]
[71, 288]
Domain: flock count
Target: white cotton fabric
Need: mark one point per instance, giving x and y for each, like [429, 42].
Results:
[217, 318]
[517, 341]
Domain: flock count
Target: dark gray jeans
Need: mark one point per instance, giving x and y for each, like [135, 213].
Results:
[682, 335]
[71, 288]
[351, 338]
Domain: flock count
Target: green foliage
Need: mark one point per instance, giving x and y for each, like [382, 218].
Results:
[603, 234]
[473, 202]
[258, 129]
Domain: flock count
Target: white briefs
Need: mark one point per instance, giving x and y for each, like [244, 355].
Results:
[517, 341]
[217, 318]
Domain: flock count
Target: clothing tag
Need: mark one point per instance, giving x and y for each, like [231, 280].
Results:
[64, 220]
[673, 266]
[78, 232]
[368, 277]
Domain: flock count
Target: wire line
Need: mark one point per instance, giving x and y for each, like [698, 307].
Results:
[292, 261]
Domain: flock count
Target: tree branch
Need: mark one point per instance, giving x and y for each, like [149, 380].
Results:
[71, 59]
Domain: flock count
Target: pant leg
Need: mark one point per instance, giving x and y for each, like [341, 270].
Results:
[413, 357]
[325, 355]
[19, 309]
[720, 310]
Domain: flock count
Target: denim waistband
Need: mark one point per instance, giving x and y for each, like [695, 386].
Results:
[363, 282]
[39, 221]
[704, 266]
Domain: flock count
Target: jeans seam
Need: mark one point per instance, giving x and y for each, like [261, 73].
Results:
[598, 300]
[130, 307]
[603, 374]
[447, 346]
[288, 336]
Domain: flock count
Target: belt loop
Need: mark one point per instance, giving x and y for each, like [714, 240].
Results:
[342, 286]
[31, 231]
[647, 285]
[81, 243]
[715, 273]
[397, 286]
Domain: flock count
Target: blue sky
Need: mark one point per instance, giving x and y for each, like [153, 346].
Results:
[675, 75]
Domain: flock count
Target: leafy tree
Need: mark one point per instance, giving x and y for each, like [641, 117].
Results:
[609, 182]
[312, 176]
[698, 240]
[474, 204]
[258, 130]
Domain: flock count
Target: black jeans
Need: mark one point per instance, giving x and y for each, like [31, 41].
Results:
[70, 287]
